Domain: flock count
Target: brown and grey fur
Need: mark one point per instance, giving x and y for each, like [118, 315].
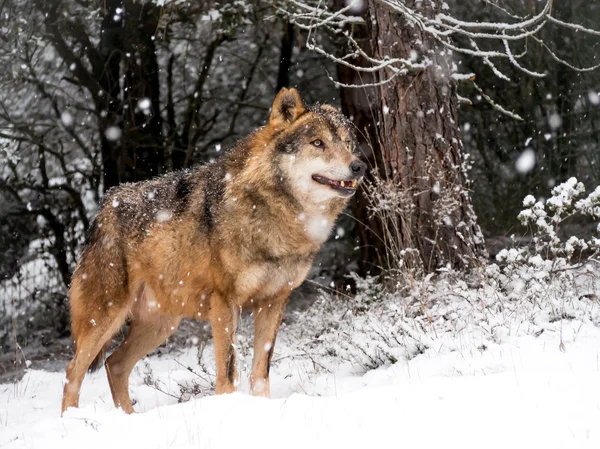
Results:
[241, 232]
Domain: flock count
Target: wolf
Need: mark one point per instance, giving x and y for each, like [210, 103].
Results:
[239, 233]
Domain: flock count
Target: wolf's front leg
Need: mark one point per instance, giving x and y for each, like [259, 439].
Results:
[267, 319]
[223, 320]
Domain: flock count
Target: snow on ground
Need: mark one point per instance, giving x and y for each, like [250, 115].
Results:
[508, 357]
[525, 392]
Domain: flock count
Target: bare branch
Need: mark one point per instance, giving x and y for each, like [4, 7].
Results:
[498, 26]
[312, 15]
[562, 61]
[496, 105]
[573, 26]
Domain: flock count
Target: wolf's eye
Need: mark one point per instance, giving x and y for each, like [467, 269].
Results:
[318, 143]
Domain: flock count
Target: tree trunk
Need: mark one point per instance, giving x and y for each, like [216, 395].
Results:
[358, 105]
[285, 58]
[142, 134]
[108, 103]
[418, 210]
[130, 124]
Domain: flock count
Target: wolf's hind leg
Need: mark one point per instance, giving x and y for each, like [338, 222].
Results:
[223, 320]
[145, 334]
[90, 335]
[267, 319]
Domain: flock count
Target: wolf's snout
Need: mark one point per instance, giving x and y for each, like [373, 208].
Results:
[358, 168]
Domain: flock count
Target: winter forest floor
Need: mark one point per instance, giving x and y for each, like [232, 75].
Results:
[469, 373]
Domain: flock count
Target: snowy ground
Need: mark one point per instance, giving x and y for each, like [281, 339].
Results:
[506, 357]
[526, 392]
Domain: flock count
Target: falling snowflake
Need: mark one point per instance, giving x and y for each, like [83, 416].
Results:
[113, 133]
[356, 6]
[66, 119]
[525, 162]
[144, 105]
[555, 121]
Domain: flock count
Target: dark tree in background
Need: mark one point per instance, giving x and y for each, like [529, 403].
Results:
[120, 77]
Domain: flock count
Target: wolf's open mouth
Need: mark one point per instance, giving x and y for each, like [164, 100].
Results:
[345, 186]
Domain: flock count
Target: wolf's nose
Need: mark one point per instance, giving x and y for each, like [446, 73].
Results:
[358, 168]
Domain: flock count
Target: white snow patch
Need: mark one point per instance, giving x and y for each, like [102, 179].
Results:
[318, 228]
[529, 201]
[163, 215]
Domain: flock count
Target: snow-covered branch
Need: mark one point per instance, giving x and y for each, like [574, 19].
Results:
[491, 41]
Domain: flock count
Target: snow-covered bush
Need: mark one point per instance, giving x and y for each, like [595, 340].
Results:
[545, 219]
[529, 288]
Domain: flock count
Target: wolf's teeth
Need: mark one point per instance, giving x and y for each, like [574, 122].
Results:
[354, 183]
[342, 184]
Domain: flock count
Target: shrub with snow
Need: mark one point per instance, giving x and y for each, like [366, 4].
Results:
[529, 288]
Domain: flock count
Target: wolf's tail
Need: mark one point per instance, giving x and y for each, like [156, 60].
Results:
[101, 287]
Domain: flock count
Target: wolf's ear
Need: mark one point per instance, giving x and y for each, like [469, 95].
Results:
[287, 107]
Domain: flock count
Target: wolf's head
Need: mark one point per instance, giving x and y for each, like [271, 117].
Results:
[313, 151]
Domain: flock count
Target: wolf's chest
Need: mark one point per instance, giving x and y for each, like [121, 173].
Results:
[261, 281]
